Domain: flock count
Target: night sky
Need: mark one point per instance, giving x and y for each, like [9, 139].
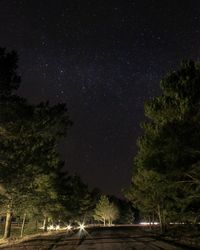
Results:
[104, 59]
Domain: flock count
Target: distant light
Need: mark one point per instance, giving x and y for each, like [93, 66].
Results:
[57, 227]
[148, 223]
[51, 227]
[177, 223]
[69, 227]
[81, 227]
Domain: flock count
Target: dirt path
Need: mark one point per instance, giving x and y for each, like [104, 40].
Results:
[119, 238]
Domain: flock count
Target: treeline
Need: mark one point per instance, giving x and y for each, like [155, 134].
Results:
[166, 175]
[112, 209]
[32, 182]
[33, 186]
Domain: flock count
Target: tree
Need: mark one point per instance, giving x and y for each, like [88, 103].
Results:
[170, 145]
[127, 213]
[113, 213]
[154, 195]
[9, 107]
[75, 197]
[30, 151]
[29, 137]
[105, 211]
[171, 135]
[191, 187]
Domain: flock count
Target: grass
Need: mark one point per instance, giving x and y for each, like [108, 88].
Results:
[187, 234]
[30, 229]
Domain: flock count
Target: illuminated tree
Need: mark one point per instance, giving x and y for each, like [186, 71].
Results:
[28, 139]
[9, 111]
[105, 211]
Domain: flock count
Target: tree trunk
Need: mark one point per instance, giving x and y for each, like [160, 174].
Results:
[36, 225]
[7, 229]
[23, 224]
[45, 223]
[164, 223]
[153, 219]
[160, 219]
[150, 222]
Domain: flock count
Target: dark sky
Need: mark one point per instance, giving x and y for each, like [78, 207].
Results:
[104, 59]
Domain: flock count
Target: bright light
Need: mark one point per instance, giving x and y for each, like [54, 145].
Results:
[177, 223]
[81, 227]
[148, 223]
[57, 227]
[51, 227]
[69, 227]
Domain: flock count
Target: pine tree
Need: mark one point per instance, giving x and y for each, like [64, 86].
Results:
[29, 136]
[170, 145]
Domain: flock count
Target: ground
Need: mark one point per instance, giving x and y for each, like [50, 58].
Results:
[110, 238]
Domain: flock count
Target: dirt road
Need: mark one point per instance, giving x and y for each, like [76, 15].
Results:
[111, 238]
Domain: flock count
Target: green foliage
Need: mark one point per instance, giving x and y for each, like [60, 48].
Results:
[171, 137]
[155, 196]
[105, 211]
[170, 147]
[29, 159]
[127, 213]
[76, 198]
[30, 150]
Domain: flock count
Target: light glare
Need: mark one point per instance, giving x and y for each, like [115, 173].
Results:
[69, 227]
[82, 227]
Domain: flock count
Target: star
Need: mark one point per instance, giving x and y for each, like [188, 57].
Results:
[104, 60]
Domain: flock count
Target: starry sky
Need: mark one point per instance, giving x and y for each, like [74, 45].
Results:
[104, 58]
